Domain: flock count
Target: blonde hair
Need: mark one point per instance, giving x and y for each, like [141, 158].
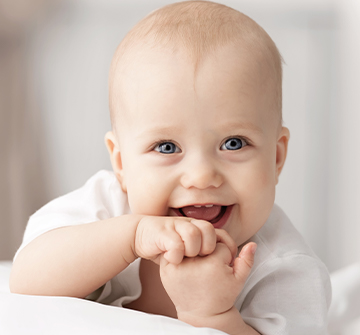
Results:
[199, 28]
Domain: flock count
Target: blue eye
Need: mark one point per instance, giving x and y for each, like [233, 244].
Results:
[233, 143]
[167, 148]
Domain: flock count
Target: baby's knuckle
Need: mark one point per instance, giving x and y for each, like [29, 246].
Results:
[192, 231]
[205, 224]
[208, 228]
[207, 248]
[168, 223]
[176, 245]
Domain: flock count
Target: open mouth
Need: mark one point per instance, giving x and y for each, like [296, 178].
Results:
[212, 214]
[215, 214]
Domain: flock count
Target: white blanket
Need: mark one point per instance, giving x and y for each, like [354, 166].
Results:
[345, 304]
[36, 315]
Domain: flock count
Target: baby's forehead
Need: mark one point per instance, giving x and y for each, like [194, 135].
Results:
[164, 85]
[151, 65]
[156, 63]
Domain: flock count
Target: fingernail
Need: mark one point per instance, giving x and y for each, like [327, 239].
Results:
[253, 248]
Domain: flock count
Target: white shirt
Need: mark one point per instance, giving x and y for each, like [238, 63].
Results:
[288, 290]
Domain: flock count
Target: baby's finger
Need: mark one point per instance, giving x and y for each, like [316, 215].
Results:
[174, 256]
[244, 262]
[191, 237]
[222, 252]
[173, 247]
[208, 236]
[223, 237]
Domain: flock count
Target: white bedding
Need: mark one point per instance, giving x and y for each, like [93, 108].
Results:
[35, 315]
[345, 305]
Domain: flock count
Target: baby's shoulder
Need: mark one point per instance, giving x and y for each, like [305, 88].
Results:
[282, 250]
[278, 238]
[104, 189]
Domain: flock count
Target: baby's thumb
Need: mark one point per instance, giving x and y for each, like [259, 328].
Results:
[244, 262]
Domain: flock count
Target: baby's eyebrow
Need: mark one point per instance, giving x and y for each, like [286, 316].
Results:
[169, 131]
[159, 130]
[241, 125]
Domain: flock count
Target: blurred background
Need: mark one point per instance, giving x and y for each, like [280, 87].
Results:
[54, 62]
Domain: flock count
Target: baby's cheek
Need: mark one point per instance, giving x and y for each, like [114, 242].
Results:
[260, 188]
[147, 199]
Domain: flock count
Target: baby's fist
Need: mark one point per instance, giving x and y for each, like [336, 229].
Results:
[174, 238]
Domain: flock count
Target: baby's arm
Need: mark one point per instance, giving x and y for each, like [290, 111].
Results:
[76, 260]
[204, 289]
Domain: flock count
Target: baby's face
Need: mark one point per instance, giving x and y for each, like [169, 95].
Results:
[209, 140]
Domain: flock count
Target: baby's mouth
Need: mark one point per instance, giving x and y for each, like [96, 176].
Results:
[211, 213]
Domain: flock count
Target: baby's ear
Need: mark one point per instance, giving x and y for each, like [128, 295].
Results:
[115, 157]
[281, 150]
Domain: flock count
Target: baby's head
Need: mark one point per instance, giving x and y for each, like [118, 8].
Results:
[195, 102]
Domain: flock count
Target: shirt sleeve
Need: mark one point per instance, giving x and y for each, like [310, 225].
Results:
[287, 295]
[100, 198]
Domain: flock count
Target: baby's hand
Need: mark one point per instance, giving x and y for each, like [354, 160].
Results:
[205, 287]
[177, 237]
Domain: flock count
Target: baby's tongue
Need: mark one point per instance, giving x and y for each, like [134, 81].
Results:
[202, 213]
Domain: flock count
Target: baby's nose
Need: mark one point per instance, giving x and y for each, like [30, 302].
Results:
[201, 174]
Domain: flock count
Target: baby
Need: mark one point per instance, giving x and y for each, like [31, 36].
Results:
[197, 146]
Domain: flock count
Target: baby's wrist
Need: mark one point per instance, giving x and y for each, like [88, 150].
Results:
[229, 321]
[132, 226]
[200, 319]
